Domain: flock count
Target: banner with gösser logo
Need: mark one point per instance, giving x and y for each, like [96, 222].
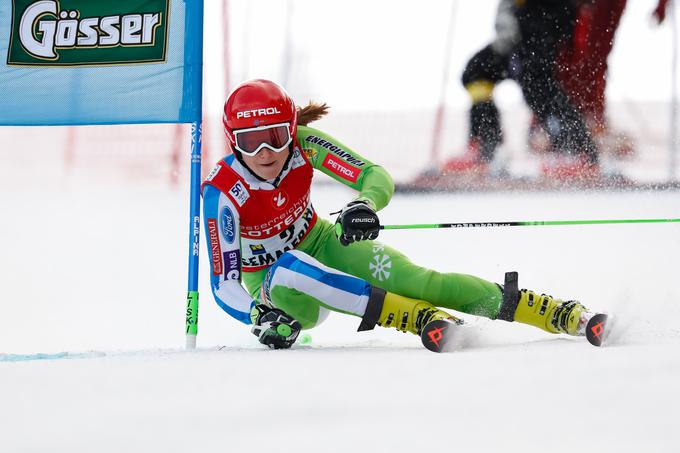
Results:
[99, 62]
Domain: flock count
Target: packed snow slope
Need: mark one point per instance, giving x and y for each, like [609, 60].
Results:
[88, 266]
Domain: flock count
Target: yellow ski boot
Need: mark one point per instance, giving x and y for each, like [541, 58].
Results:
[403, 313]
[550, 314]
[542, 311]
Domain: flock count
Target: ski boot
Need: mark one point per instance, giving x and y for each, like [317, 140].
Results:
[403, 313]
[550, 314]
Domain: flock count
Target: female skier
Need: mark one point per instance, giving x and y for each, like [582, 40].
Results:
[297, 267]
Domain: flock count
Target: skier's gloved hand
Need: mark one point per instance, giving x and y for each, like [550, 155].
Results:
[273, 327]
[357, 222]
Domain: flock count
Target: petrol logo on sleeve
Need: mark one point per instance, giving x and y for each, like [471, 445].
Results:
[257, 249]
[239, 192]
[341, 169]
[215, 249]
[85, 32]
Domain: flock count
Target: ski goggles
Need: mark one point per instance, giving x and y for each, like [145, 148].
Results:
[275, 137]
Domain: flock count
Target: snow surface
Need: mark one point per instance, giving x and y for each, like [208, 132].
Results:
[90, 266]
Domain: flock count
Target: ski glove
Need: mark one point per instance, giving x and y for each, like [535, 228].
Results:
[357, 222]
[273, 327]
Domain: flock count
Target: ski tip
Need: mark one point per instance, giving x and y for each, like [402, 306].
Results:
[596, 330]
[436, 335]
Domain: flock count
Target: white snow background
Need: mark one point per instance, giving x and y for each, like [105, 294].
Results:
[96, 269]
[95, 265]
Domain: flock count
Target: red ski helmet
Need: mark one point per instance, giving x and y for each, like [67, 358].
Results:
[256, 104]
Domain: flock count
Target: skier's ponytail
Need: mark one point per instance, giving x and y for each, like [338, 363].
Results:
[311, 112]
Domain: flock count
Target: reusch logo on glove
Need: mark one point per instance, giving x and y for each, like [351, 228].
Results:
[364, 220]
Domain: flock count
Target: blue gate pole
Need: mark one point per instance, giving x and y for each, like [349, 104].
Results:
[194, 31]
[194, 236]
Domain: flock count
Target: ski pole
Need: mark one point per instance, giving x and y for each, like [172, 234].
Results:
[529, 223]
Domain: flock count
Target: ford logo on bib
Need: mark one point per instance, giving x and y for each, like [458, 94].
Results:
[228, 225]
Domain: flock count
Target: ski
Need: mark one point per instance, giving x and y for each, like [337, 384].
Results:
[441, 335]
[597, 329]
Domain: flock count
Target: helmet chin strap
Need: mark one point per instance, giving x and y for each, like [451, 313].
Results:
[239, 157]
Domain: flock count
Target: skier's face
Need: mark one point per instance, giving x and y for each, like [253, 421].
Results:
[267, 164]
